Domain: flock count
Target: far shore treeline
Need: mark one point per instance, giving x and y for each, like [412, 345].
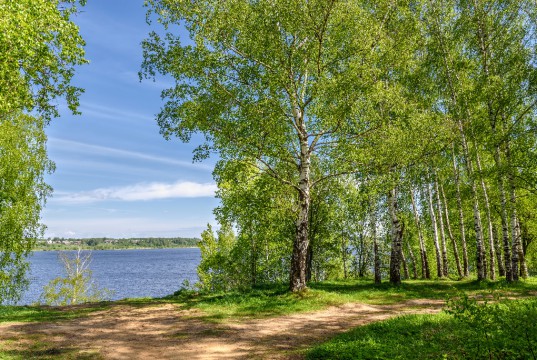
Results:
[105, 243]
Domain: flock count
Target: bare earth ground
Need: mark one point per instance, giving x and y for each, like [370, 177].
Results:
[166, 332]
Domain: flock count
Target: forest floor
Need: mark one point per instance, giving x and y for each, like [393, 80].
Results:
[168, 331]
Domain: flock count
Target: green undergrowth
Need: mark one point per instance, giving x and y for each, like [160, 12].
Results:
[467, 329]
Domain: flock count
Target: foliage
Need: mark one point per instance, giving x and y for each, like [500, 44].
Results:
[261, 212]
[77, 286]
[317, 109]
[468, 330]
[497, 329]
[23, 165]
[39, 49]
[287, 88]
[215, 269]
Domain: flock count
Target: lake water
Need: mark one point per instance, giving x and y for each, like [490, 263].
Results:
[128, 273]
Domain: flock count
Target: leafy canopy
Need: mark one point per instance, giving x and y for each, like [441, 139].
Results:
[39, 49]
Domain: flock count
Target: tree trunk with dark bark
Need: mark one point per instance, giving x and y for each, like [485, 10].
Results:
[445, 269]
[478, 227]
[439, 268]
[521, 255]
[515, 243]
[376, 255]
[406, 273]
[492, 252]
[397, 238]
[499, 256]
[413, 259]
[300, 245]
[462, 229]
[425, 271]
[450, 233]
[504, 217]
[344, 253]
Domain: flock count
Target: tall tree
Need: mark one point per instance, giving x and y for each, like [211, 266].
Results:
[397, 229]
[23, 164]
[450, 234]
[502, 50]
[274, 84]
[442, 227]
[425, 271]
[39, 49]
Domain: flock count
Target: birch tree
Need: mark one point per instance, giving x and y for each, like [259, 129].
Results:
[276, 84]
[23, 165]
[40, 48]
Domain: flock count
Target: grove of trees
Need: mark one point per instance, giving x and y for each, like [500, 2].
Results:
[356, 138]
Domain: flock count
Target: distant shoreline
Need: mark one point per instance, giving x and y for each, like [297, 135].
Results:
[58, 244]
[42, 249]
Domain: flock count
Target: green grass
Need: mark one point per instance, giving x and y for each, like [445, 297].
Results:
[275, 300]
[46, 313]
[389, 339]
[503, 330]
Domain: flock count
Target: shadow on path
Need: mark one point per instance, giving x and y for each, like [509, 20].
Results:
[165, 331]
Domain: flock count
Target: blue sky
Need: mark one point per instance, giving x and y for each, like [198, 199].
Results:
[116, 176]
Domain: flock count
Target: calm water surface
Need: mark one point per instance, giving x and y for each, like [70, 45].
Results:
[129, 273]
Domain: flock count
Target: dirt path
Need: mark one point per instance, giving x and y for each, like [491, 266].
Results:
[167, 332]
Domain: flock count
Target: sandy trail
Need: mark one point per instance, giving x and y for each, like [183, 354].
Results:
[166, 332]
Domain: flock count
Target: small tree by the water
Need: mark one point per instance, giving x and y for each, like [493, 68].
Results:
[77, 286]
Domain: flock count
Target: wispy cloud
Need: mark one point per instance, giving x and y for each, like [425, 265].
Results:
[109, 151]
[105, 112]
[139, 192]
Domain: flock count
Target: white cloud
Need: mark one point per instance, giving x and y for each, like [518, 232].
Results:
[139, 192]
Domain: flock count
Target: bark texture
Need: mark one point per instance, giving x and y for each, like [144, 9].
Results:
[301, 243]
[425, 271]
[376, 255]
[490, 228]
[439, 268]
[445, 269]
[397, 239]
[450, 234]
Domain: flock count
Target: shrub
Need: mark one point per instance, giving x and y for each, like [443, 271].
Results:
[77, 286]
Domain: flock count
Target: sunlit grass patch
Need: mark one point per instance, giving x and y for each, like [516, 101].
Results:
[471, 330]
